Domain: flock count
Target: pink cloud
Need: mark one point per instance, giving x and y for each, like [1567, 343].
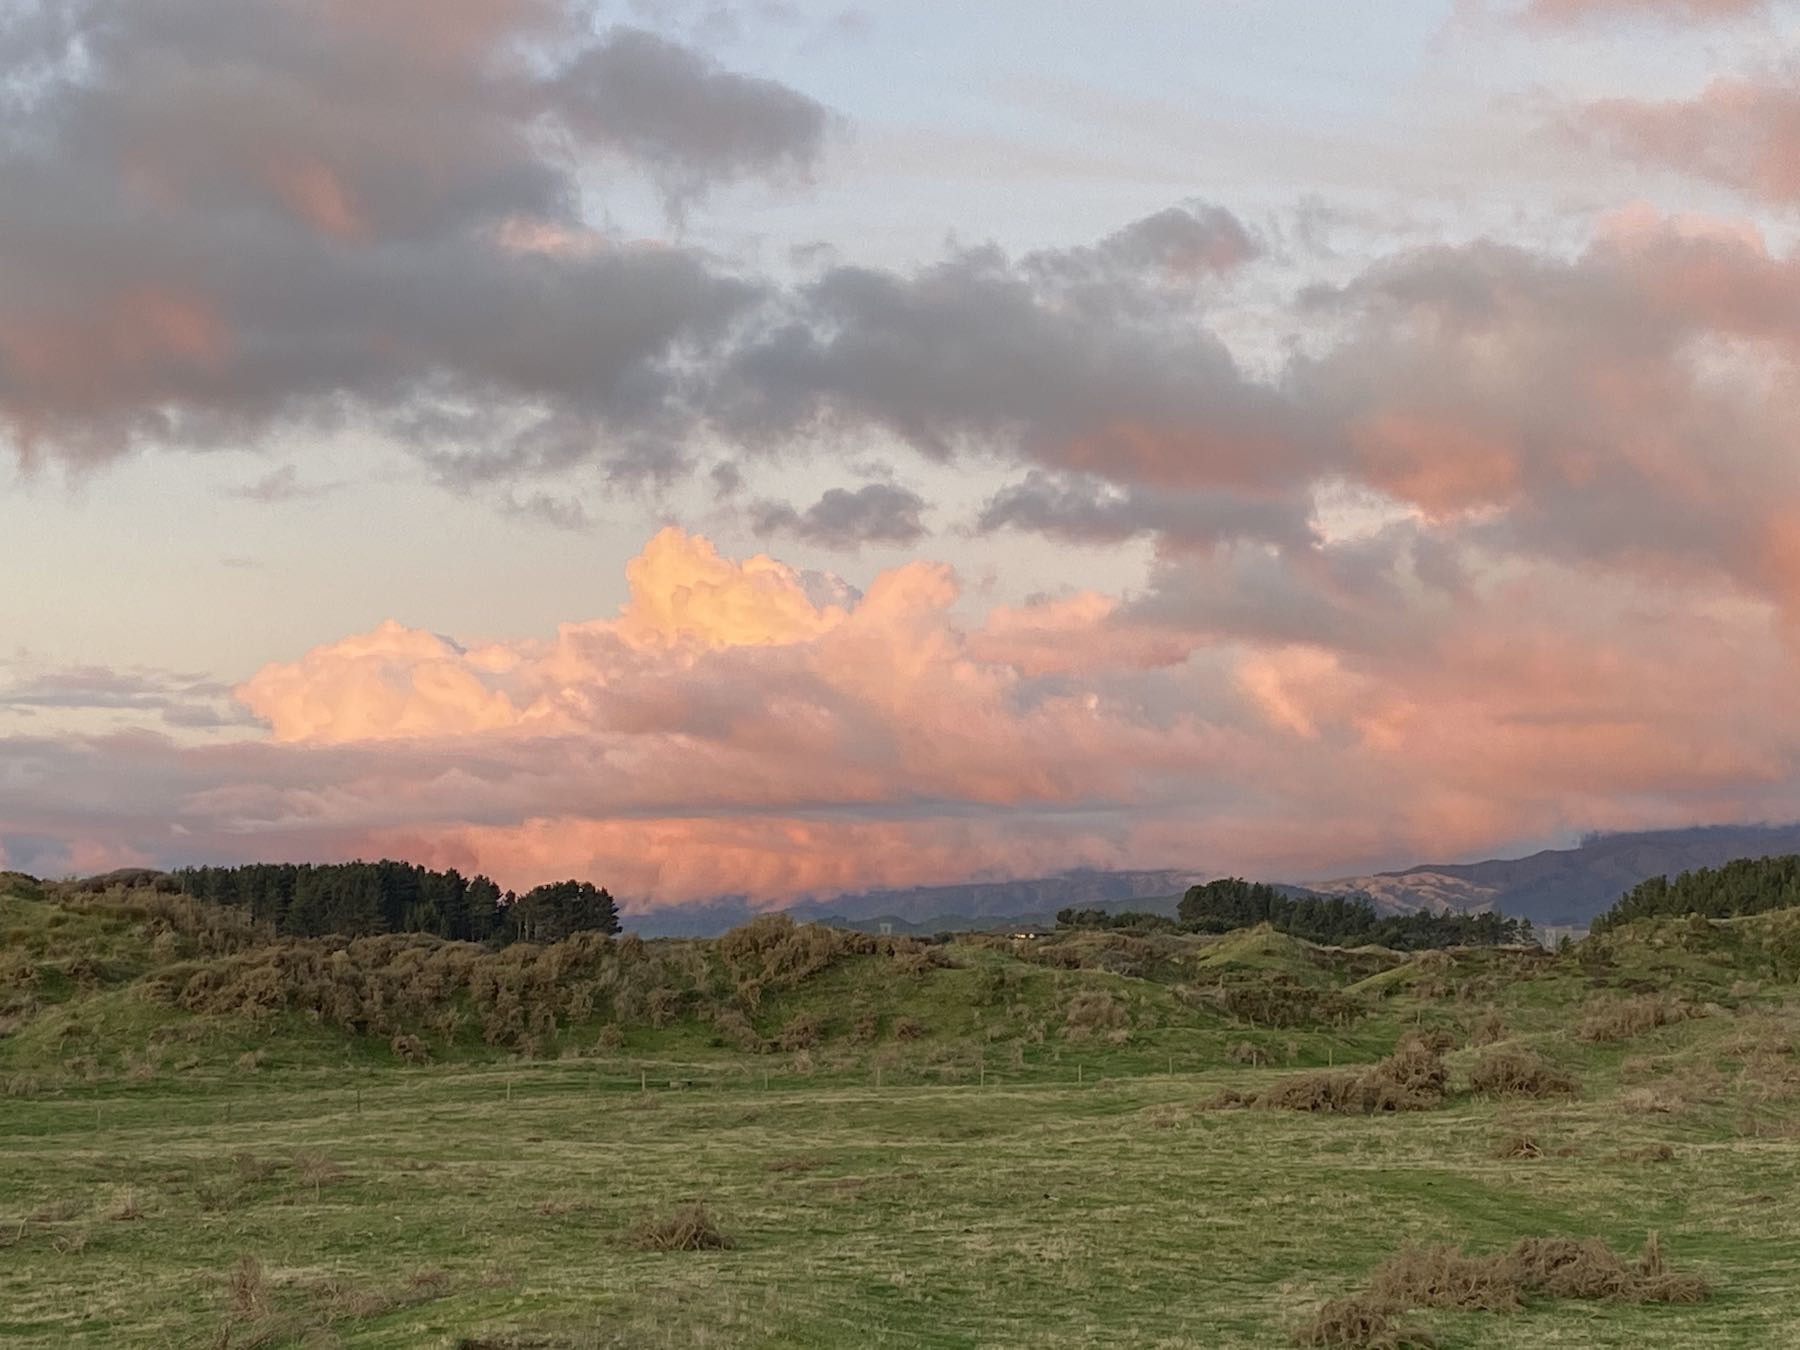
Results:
[1741, 132]
[1564, 12]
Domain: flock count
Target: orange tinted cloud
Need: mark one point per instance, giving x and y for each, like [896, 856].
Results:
[742, 728]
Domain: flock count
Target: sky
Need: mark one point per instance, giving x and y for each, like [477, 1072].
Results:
[777, 448]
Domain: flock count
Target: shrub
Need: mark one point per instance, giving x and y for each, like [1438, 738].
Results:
[1362, 1322]
[1610, 1019]
[1093, 1011]
[1553, 1267]
[1487, 1028]
[1519, 1145]
[689, 1228]
[802, 1032]
[735, 1030]
[1413, 1078]
[248, 1287]
[1513, 1071]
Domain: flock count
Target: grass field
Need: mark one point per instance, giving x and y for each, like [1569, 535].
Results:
[958, 1191]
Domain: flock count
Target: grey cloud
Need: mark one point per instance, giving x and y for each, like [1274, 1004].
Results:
[224, 219]
[670, 107]
[282, 485]
[979, 354]
[876, 513]
[1179, 243]
[183, 700]
[1087, 509]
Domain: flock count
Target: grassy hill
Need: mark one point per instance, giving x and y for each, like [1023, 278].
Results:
[208, 1135]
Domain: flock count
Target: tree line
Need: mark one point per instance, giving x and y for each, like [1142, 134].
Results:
[1742, 886]
[358, 899]
[1345, 921]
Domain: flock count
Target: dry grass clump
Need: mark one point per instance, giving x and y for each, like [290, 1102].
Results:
[1413, 1078]
[248, 1287]
[1550, 1267]
[314, 1169]
[689, 1228]
[1619, 1019]
[125, 1207]
[1362, 1322]
[1518, 1144]
[1093, 1011]
[1514, 1071]
[1448, 1277]
[1487, 1028]
[803, 1031]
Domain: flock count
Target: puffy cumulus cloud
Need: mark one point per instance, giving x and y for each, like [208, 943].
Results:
[394, 681]
[1741, 131]
[229, 218]
[847, 518]
[687, 748]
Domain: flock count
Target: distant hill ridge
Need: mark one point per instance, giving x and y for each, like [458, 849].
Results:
[1555, 887]
[1569, 885]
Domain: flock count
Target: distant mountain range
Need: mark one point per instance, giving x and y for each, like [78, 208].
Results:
[931, 909]
[1558, 887]
[1568, 885]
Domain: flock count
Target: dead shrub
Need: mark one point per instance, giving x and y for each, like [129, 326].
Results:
[1648, 1101]
[735, 1030]
[1619, 1019]
[72, 1243]
[689, 1228]
[1550, 1267]
[1362, 1322]
[248, 1287]
[251, 1168]
[802, 1032]
[1487, 1028]
[1518, 1145]
[1443, 1277]
[1091, 1011]
[1413, 1078]
[125, 1207]
[314, 1169]
[1514, 1071]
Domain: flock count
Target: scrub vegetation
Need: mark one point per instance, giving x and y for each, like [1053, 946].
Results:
[214, 1133]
